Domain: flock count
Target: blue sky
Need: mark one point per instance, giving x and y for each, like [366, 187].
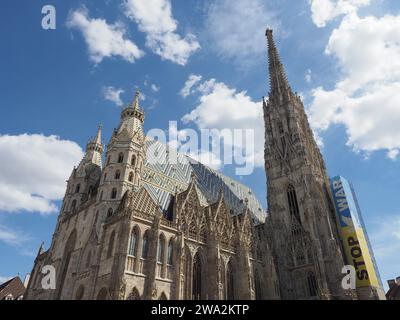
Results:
[56, 86]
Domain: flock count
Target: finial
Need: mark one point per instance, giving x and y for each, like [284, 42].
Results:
[268, 31]
[136, 100]
[41, 248]
[98, 135]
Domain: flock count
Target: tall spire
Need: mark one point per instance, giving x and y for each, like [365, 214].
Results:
[277, 77]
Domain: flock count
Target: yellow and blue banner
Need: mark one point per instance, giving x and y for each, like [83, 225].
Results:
[353, 234]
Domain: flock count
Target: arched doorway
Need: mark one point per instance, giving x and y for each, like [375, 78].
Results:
[196, 278]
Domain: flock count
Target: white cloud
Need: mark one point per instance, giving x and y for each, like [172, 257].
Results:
[155, 88]
[384, 234]
[190, 82]
[154, 17]
[12, 237]
[221, 108]
[103, 40]
[366, 97]
[112, 94]
[308, 76]
[324, 11]
[33, 171]
[237, 28]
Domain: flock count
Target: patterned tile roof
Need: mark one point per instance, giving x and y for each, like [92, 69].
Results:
[163, 177]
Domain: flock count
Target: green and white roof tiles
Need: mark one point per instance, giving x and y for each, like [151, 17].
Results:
[209, 182]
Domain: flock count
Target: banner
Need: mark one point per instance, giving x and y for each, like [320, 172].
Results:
[353, 234]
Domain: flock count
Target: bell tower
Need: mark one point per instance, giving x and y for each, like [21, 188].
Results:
[306, 243]
[125, 156]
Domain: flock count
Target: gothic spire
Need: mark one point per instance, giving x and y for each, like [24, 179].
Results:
[94, 148]
[277, 77]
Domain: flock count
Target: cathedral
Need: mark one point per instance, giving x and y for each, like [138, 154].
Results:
[141, 226]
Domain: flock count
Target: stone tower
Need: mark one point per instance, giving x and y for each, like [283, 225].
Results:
[124, 157]
[305, 238]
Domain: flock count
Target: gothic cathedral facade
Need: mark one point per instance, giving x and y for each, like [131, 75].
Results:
[142, 226]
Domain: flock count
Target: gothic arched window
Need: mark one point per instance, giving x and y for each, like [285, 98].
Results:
[117, 174]
[88, 258]
[312, 284]
[134, 295]
[108, 160]
[120, 157]
[103, 294]
[113, 193]
[160, 248]
[78, 188]
[68, 249]
[230, 285]
[196, 280]
[133, 160]
[79, 293]
[145, 246]
[293, 204]
[130, 178]
[133, 243]
[109, 212]
[90, 191]
[111, 245]
[73, 206]
[170, 252]
[257, 285]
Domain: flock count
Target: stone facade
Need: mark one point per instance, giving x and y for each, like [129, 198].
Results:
[142, 226]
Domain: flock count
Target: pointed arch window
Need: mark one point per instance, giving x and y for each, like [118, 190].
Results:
[78, 188]
[196, 280]
[312, 284]
[170, 252]
[257, 285]
[117, 174]
[145, 246]
[111, 245]
[134, 295]
[80, 292]
[90, 192]
[133, 160]
[113, 193]
[109, 212]
[160, 249]
[230, 284]
[73, 206]
[293, 204]
[88, 258]
[133, 243]
[108, 160]
[120, 157]
[130, 178]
